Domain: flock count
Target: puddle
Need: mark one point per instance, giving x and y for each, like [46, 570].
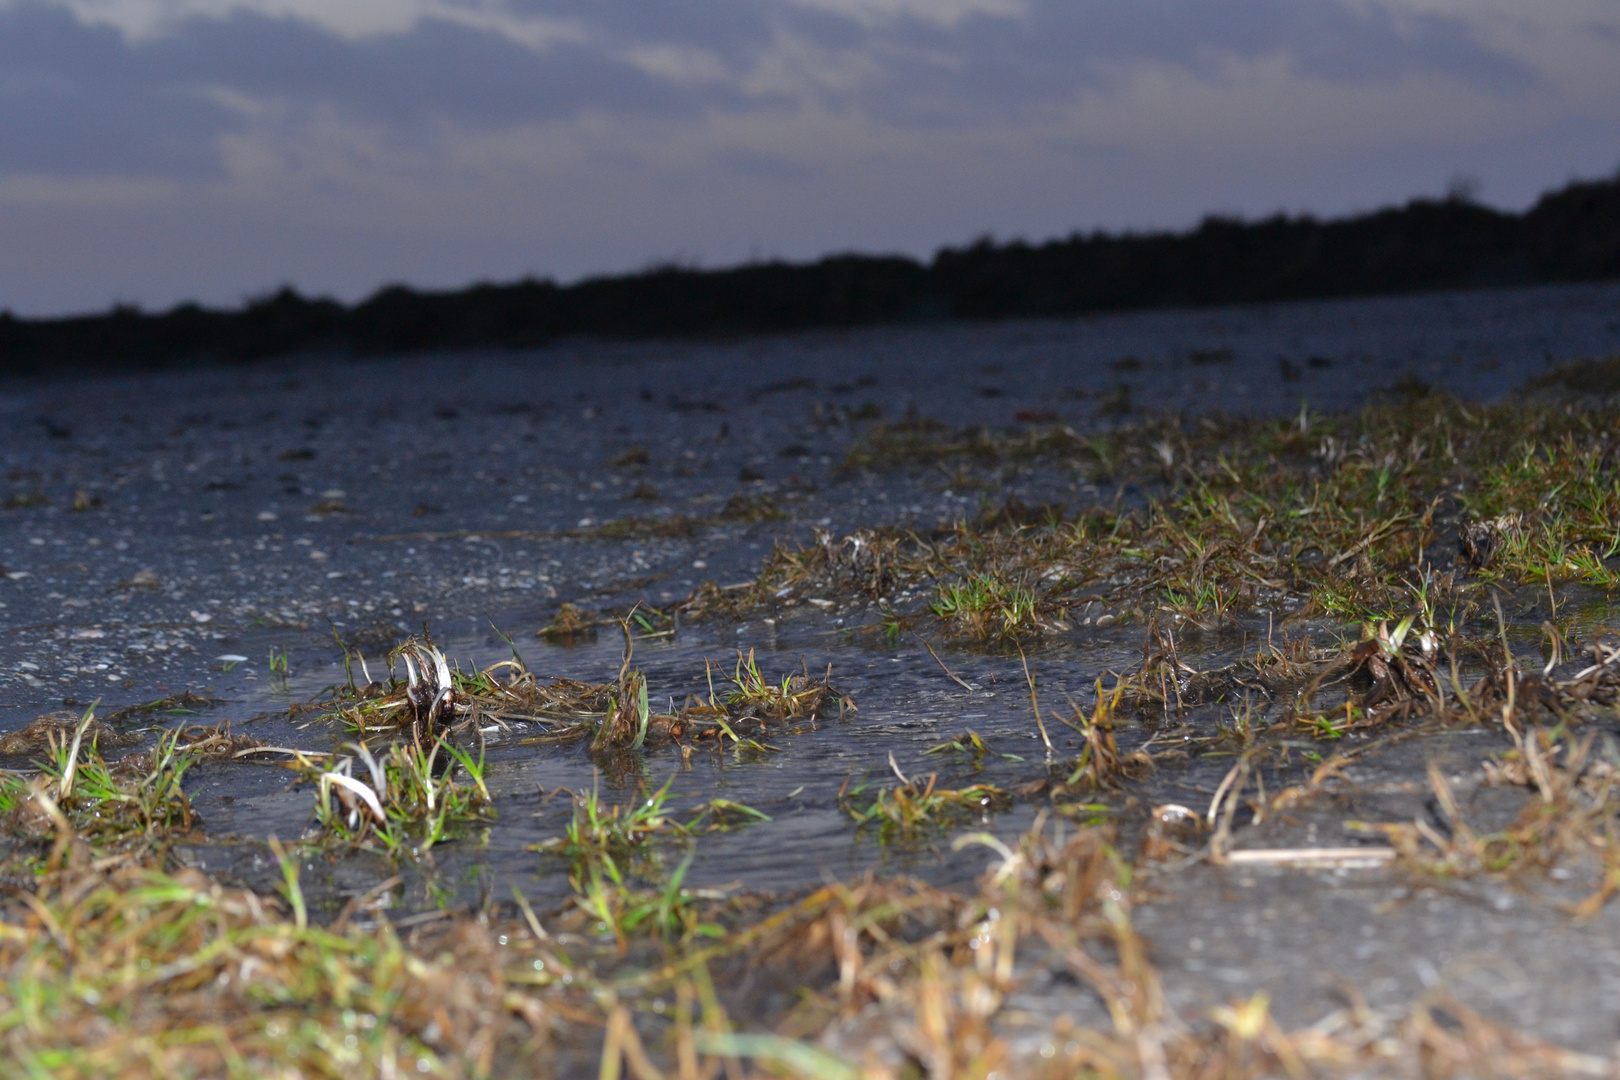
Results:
[908, 711]
[906, 707]
[239, 524]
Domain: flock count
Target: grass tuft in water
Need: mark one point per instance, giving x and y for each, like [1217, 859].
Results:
[127, 808]
[1299, 518]
[914, 804]
[405, 799]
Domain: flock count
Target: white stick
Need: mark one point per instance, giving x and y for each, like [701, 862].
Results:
[1312, 857]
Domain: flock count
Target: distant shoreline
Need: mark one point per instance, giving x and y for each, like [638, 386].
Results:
[1571, 234]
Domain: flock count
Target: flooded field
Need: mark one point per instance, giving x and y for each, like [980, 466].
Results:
[1216, 693]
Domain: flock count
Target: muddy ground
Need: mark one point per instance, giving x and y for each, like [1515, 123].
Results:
[173, 531]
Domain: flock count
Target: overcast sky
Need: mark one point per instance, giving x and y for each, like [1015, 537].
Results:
[153, 151]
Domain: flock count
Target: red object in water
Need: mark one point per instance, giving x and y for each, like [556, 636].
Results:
[1035, 416]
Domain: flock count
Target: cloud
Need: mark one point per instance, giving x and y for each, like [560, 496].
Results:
[76, 99]
[986, 64]
[213, 148]
[84, 98]
[80, 97]
[742, 162]
[437, 71]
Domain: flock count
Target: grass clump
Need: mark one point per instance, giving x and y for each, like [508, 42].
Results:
[144, 974]
[748, 709]
[440, 700]
[619, 836]
[609, 904]
[126, 808]
[1569, 818]
[794, 697]
[1101, 763]
[407, 799]
[109, 731]
[1304, 517]
[55, 730]
[609, 848]
[1548, 514]
[912, 804]
[436, 698]
[987, 607]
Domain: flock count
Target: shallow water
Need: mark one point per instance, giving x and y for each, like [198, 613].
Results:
[211, 531]
[906, 706]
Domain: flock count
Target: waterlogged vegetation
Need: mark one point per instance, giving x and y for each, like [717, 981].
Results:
[1214, 519]
[144, 974]
[435, 700]
[1571, 816]
[615, 856]
[128, 810]
[1414, 570]
[116, 967]
[407, 797]
[916, 803]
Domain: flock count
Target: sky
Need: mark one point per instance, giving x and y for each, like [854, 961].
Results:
[158, 151]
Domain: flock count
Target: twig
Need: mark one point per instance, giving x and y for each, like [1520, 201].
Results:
[302, 755]
[529, 916]
[420, 919]
[361, 899]
[1507, 656]
[1220, 816]
[896, 767]
[1220, 792]
[954, 677]
[1033, 702]
[1311, 858]
[1367, 541]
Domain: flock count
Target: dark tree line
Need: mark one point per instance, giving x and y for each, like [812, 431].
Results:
[1572, 234]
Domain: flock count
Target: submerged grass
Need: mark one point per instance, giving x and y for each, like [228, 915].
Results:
[120, 811]
[904, 809]
[113, 968]
[619, 836]
[1311, 516]
[615, 870]
[438, 701]
[408, 798]
[132, 972]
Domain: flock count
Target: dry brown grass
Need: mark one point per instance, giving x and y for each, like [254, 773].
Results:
[132, 972]
[137, 973]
